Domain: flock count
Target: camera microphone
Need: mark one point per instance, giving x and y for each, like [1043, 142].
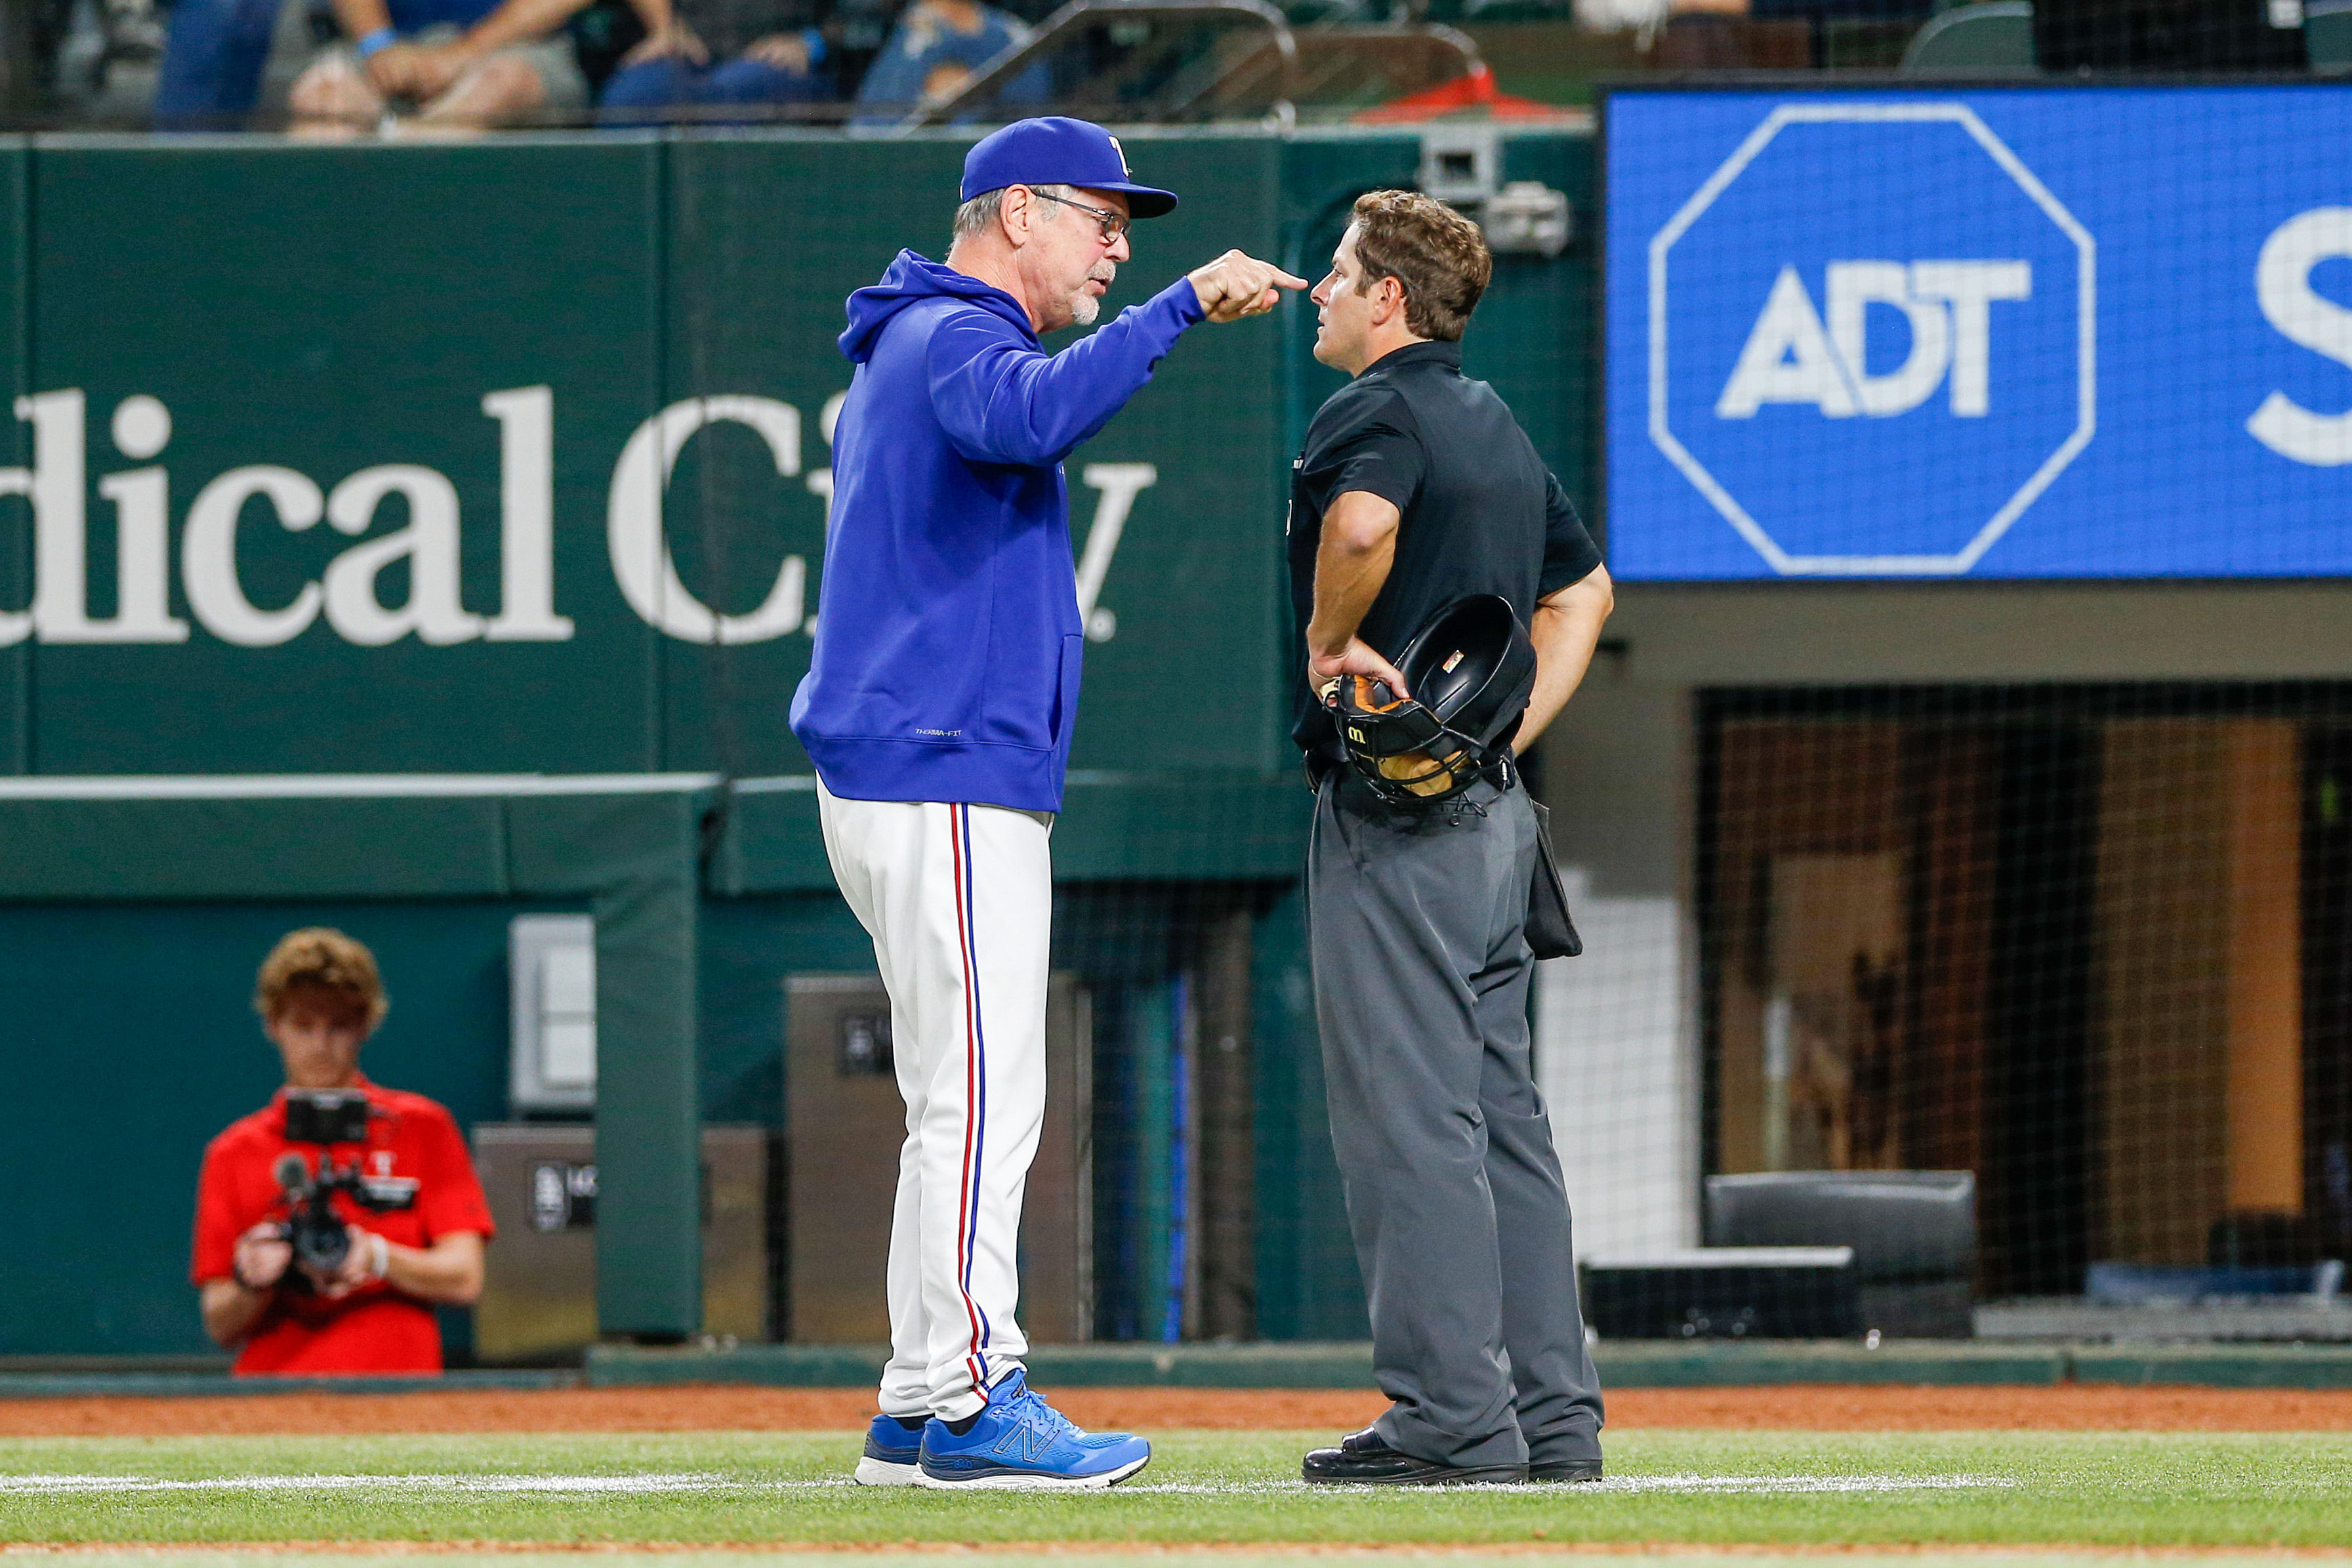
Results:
[292, 1172]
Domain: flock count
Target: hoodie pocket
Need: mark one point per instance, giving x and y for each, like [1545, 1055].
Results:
[1066, 691]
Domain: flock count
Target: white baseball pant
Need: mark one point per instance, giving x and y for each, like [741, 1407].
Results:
[959, 902]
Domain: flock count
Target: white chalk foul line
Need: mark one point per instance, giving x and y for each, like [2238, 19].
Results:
[1719, 1486]
[696, 1482]
[21, 1486]
[1768, 1485]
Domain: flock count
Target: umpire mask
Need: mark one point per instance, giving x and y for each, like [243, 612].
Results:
[1470, 670]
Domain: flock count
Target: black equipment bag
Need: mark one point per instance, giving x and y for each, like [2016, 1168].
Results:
[1551, 933]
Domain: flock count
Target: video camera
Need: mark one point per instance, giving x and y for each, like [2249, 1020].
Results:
[326, 1117]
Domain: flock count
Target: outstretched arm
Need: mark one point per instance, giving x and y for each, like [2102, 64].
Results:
[1236, 284]
[1001, 401]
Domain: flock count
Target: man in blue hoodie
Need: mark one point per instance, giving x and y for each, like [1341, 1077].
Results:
[937, 709]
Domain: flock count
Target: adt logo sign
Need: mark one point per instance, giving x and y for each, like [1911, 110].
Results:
[1872, 339]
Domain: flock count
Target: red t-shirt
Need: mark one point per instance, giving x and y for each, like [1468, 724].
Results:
[375, 1327]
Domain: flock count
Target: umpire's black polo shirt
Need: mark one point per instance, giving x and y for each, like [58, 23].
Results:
[1481, 513]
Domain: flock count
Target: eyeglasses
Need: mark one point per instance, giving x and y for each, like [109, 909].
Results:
[1114, 224]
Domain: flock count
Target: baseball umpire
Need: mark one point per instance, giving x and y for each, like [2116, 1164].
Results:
[1417, 504]
[938, 708]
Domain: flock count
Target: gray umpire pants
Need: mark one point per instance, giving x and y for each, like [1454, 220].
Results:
[1461, 1222]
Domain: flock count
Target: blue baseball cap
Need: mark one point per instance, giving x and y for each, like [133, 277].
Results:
[1054, 150]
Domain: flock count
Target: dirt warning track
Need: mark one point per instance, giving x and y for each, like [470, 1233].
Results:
[1811, 1408]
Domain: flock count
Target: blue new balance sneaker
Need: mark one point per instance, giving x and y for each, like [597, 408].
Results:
[894, 1452]
[1021, 1442]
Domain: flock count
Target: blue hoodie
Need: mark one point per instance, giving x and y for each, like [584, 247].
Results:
[946, 663]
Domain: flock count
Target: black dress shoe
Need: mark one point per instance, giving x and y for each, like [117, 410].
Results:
[1362, 1459]
[1566, 1470]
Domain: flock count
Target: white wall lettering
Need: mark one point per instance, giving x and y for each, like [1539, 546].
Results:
[428, 544]
[56, 486]
[638, 539]
[61, 594]
[1119, 483]
[143, 560]
[16, 625]
[208, 555]
[820, 480]
[526, 417]
[141, 428]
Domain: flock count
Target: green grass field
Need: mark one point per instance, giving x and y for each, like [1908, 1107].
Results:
[1760, 1489]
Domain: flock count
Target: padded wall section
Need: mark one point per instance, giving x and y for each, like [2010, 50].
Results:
[1534, 333]
[297, 848]
[630, 858]
[131, 1041]
[635, 856]
[15, 518]
[1113, 827]
[749, 946]
[1308, 1286]
[331, 319]
[763, 250]
[1194, 590]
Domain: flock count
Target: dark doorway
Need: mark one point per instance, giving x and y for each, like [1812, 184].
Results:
[2328, 987]
[2034, 1203]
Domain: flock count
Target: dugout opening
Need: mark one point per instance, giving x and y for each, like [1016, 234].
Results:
[2091, 942]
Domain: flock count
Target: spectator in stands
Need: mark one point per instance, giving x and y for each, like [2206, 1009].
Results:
[213, 51]
[449, 65]
[937, 48]
[319, 998]
[709, 55]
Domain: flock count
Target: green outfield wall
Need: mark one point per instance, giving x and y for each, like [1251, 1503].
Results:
[510, 458]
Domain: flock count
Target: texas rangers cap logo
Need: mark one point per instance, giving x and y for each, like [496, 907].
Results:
[1058, 150]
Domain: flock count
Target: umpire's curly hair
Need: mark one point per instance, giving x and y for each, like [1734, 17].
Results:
[1435, 254]
[323, 959]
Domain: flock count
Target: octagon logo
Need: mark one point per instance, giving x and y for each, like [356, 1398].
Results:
[1873, 339]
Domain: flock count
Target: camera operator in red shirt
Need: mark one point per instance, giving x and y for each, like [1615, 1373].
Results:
[413, 1213]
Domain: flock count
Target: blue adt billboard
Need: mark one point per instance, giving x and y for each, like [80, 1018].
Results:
[2069, 334]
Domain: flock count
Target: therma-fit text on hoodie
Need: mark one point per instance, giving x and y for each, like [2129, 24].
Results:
[948, 642]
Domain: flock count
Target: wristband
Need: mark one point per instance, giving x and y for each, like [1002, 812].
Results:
[370, 43]
[380, 1259]
[815, 42]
